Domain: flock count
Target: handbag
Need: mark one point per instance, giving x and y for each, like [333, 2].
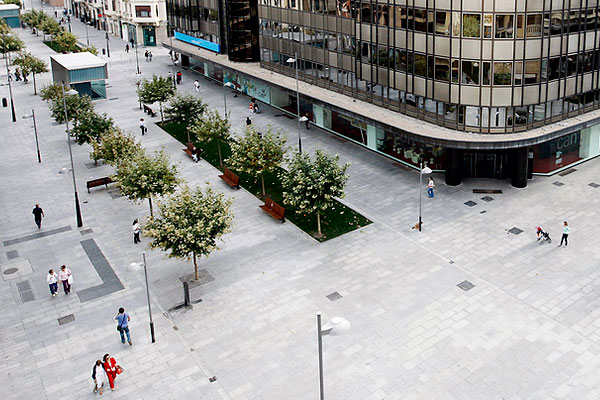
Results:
[70, 280]
[119, 369]
[119, 327]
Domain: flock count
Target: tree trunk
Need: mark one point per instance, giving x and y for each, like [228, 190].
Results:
[161, 113]
[150, 201]
[319, 223]
[219, 148]
[195, 267]
[262, 181]
[34, 87]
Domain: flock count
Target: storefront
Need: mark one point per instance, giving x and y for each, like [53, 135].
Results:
[566, 150]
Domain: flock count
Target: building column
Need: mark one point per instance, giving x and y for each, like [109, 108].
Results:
[518, 161]
[185, 61]
[454, 161]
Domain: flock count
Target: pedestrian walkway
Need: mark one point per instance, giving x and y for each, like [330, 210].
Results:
[470, 308]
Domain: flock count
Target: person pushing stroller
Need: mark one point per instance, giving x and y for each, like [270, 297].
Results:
[542, 235]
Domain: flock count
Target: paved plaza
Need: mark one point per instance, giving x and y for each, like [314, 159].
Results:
[471, 308]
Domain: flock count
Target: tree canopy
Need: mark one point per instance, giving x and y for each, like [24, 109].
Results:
[91, 126]
[190, 223]
[311, 186]
[31, 64]
[114, 146]
[52, 92]
[76, 106]
[10, 44]
[212, 127]
[157, 90]
[185, 108]
[66, 42]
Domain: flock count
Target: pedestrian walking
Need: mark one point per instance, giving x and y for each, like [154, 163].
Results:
[256, 108]
[171, 54]
[17, 75]
[112, 369]
[136, 231]
[430, 186]
[52, 280]
[143, 127]
[197, 85]
[565, 235]
[99, 377]
[248, 121]
[146, 55]
[195, 154]
[150, 56]
[179, 77]
[123, 319]
[66, 277]
[127, 48]
[38, 213]
[307, 121]
[25, 75]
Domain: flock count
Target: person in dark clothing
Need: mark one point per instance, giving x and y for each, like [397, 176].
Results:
[248, 121]
[307, 121]
[38, 213]
[179, 76]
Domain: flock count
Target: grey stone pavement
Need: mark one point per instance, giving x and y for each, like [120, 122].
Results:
[526, 330]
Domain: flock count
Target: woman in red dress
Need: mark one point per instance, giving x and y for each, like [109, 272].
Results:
[112, 369]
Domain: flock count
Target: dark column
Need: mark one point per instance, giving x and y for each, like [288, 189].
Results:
[530, 163]
[185, 61]
[454, 161]
[518, 162]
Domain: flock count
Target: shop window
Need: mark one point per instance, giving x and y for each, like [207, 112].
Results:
[143, 11]
[472, 25]
[488, 22]
[442, 69]
[420, 65]
[487, 73]
[470, 72]
[502, 73]
[534, 25]
[442, 23]
[504, 26]
[420, 18]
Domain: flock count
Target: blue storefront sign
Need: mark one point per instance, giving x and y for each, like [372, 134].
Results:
[205, 44]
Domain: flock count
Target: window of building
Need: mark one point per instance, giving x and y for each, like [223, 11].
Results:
[383, 16]
[502, 73]
[442, 23]
[420, 18]
[556, 22]
[488, 22]
[470, 72]
[471, 25]
[456, 24]
[534, 25]
[401, 60]
[554, 68]
[343, 8]
[504, 26]
[442, 69]
[455, 69]
[574, 21]
[365, 13]
[532, 72]
[520, 26]
[487, 73]
[143, 11]
[420, 65]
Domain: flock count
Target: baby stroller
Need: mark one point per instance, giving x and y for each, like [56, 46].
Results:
[543, 236]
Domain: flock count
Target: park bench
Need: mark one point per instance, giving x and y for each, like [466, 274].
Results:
[98, 182]
[149, 111]
[274, 209]
[190, 149]
[230, 178]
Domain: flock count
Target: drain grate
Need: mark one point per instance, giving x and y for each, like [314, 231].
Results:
[66, 319]
[487, 198]
[25, 291]
[470, 203]
[466, 286]
[567, 172]
[515, 230]
[86, 231]
[334, 296]
[594, 185]
[559, 184]
[113, 98]
[12, 254]
[487, 191]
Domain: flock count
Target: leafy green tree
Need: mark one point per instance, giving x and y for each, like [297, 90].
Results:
[91, 126]
[311, 186]
[141, 176]
[4, 28]
[257, 153]
[76, 106]
[212, 127]
[190, 223]
[115, 146]
[50, 27]
[31, 64]
[159, 89]
[34, 19]
[66, 42]
[10, 44]
[90, 49]
[17, 2]
[51, 92]
[184, 108]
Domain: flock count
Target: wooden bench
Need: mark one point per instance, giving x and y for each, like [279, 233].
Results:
[274, 209]
[98, 182]
[149, 111]
[230, 178]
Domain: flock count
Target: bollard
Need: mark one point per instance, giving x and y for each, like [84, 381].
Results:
[4, 102]
[186, 294]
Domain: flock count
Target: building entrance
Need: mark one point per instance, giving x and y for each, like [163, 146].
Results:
[486, 165]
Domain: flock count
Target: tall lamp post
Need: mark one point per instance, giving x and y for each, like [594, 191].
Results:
[107, 48]
[37, 144]
[335, 327]
[136, 266]
[12, 102]
[77, 208]
[87, 36]
[290, 61]
[422, 171]
[229, 85]
[137, 60]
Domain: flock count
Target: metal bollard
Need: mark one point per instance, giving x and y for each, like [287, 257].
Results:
[186, 294]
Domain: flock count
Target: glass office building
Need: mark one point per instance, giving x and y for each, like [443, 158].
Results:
[518, 78]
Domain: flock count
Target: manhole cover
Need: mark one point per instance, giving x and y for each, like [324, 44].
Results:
[66, 319]
[9, 271]
[466, 285]
[594, 185]
[559, 184]
[470, 203]
[487, 198]
[515, 231]
[334, 296]
[16, 268]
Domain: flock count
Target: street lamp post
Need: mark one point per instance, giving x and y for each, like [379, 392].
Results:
[37, 144]
[137, 60]
[422, 171]
[295, 60]
[229, 85]
[136, 266]
[107, 48]
[77, 208]
[87, 36]
[336, 327]
[12, 102]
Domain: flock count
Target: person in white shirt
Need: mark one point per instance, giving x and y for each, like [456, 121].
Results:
[63, 276]
[197, 85]
[136, 231]
[143, 126]
[52, 280]
[565, 235]
[430, 187]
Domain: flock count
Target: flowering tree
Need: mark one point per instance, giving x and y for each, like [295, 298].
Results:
[190, 223]
[114, 146]
[212, 127]
[141, 176]
[311, 186]
[256, 153]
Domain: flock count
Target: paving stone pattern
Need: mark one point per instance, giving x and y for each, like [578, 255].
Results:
[528, 329]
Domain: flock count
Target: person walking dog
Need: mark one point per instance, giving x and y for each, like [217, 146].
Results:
[565, 235]
[123, 319]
